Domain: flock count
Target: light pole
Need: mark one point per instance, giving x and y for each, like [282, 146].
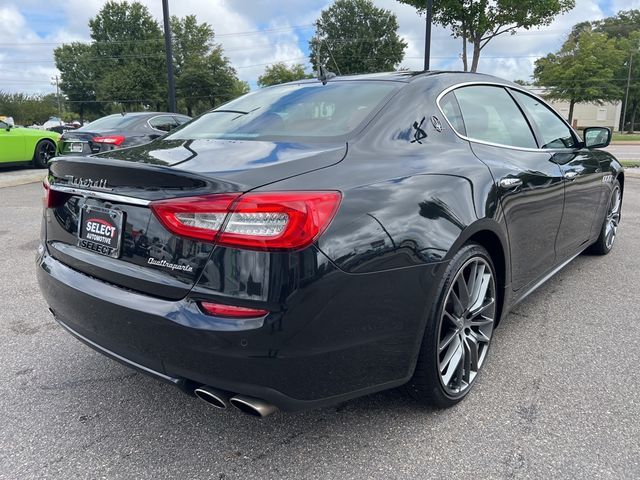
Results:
[427, 35]
[626, 95]
[55, 81]
[169, 51]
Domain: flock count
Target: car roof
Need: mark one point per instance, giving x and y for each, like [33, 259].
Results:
[445, 78]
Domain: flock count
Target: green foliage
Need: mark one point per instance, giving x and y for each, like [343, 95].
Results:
[479, 21]
[625, 28]
[124, 67]
[354, 36]
[28, 109]
[584, 70]
[204, 76]
[280, 73]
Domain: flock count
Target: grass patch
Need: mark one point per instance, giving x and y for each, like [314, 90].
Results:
[626, 137]
[630, 163]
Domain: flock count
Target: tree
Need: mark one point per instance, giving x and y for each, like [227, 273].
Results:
[128, 60]
[477, 22]
[584, 70]
[354, 36]
[281, 73]
[625, 28]
[204, 76]
[124, 66]
[78, 81]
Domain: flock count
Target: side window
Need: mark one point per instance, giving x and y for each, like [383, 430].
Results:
[491, 115]
[164, 123]
[181, 120]
[554, 132]
[451, 110]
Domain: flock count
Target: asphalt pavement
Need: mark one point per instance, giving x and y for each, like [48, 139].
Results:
[558, 397]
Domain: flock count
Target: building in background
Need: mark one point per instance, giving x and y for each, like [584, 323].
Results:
[587, 114]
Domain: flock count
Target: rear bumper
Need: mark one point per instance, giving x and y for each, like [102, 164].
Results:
[365, 339]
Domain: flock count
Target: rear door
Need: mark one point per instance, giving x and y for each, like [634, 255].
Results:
[580, 168]
[529, 184]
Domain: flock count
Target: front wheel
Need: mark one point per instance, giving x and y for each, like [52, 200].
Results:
[45, 151]
[458, 332]
[609, 229]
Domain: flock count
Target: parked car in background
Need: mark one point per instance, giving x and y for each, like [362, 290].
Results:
[119, 130]
[52, 123]
[26, 145]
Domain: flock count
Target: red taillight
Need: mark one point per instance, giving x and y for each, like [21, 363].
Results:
[51, 198]
[260, 221]
[230, 311]
[110, 139]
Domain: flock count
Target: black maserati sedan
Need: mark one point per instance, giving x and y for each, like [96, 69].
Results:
[317, 241]
[118, 131]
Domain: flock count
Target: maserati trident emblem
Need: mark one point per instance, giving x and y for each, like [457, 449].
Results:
[80, 182]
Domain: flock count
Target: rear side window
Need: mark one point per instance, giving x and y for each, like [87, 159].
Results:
[307, 110]
[165, 123]
[554, 132]
[491, 115]
[451, 110]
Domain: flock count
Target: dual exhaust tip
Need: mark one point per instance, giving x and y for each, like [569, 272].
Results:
[221, 399]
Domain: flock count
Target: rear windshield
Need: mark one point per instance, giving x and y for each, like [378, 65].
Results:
[309, 110]
[110, 122]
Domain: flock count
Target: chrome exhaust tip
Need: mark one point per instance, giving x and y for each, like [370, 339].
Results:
[252, 406]
[215, 398]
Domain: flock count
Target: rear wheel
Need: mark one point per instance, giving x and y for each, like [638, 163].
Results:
[459, 330]
[609, 229]
[45, 150]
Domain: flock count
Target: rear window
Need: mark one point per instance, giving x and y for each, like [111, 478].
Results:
[110, 122]
[310, 110]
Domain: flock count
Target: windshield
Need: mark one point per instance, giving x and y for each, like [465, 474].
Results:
[303, 110]
[110, 122]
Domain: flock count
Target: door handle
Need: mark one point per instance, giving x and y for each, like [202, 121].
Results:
[570, 175]
[509, 183]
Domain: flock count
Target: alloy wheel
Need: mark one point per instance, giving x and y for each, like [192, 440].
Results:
[613, 217]
[466, 325]
[46, 152]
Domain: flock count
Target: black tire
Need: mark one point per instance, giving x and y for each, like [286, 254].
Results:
[427, 385]
[608, 231]
[44, 151]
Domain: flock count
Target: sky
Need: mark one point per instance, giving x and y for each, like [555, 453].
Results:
[256, 33]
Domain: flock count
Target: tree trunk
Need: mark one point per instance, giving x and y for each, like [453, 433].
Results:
[189, 110]
[476, 55]
[465, 62]
[571, 105]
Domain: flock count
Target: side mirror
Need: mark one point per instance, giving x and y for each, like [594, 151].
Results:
[597, 137]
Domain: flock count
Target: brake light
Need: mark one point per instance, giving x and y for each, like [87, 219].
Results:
[231, 311]
[52, 198]
[109, 139]
[258, 221]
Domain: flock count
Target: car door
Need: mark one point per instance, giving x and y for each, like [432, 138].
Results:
[580, 168]
[529, 184]
[12, 144]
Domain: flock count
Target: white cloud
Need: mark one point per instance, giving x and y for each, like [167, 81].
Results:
[284, 30]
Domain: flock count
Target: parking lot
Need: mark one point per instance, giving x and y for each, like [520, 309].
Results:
[558, 397]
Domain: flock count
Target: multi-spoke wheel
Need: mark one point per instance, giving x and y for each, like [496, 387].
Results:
[45, 151]
[459, 330]
[466, 325]
[609, 230]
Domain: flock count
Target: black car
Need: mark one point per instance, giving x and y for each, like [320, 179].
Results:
[309, 243]
[119, 130]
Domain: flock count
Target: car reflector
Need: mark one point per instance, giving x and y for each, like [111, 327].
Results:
[230, 311]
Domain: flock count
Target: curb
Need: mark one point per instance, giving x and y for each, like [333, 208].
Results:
[22, 180]
[632, 173]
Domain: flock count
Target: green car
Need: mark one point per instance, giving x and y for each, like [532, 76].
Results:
[26, 145]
